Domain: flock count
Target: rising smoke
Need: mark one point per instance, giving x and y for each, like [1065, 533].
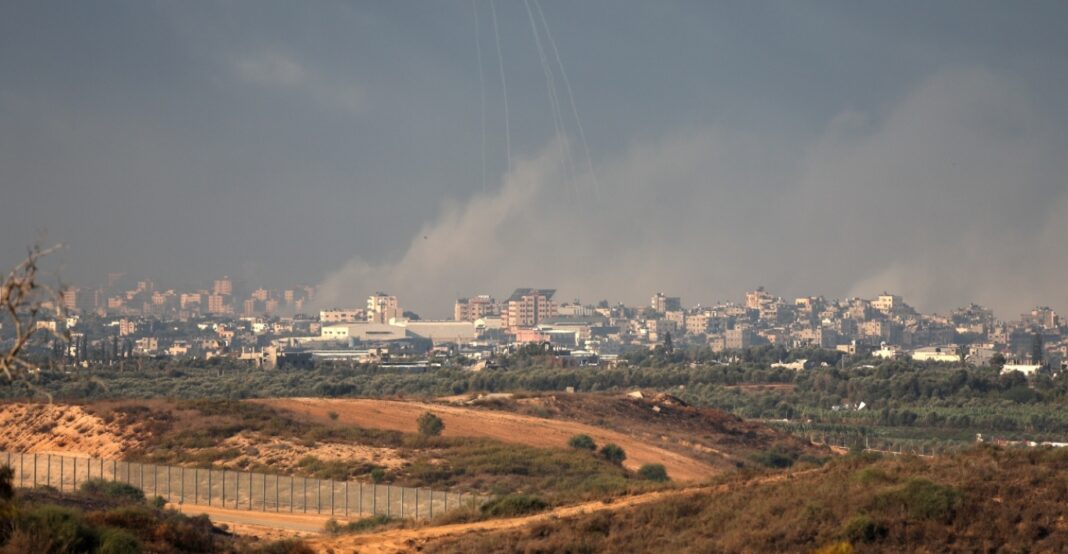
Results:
[955, 194]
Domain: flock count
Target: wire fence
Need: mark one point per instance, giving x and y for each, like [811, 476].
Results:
[238, 490]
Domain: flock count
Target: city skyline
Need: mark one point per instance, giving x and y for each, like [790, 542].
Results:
[919, 151]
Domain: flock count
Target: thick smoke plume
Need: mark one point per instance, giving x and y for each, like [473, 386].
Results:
[955, 194]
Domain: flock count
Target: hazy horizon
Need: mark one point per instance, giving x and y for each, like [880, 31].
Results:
[825, 148]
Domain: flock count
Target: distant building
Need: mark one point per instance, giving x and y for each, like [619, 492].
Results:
[948, 353]
[475, 308]
[737, 339]
[528, 307]
[223, 286]
[382, 307]
[661, 303]
[887, 303]
[342, 315]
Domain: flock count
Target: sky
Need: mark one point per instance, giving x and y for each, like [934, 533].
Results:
[696, 148]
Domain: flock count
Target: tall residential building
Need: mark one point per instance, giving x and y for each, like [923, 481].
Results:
[382, 307]
[661, 303]
[475, 308]
[529, 307]
[217, 304]
[223, 286]
[70, 298]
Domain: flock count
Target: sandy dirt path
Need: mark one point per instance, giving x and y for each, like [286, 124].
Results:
[261, 524]
[502, 426]
[411, 540]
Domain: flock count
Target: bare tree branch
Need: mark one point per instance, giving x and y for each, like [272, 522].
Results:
[26, 301]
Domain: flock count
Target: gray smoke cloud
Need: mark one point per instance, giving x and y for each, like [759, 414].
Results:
[954, 194]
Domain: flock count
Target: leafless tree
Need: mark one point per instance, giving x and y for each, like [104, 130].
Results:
[25, 301]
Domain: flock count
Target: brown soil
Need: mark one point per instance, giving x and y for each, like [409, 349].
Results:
[502, 426]
[70, 430]
[284, 455]
[713, 436]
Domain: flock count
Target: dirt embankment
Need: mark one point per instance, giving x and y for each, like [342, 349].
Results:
[62, 429]
[503, 426]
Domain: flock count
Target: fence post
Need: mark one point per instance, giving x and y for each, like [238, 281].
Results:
[181, 485]
[75, 473]
[250, 491]
[170, 489]
[332, 487]
[224, 488]
[141, 477]
[35, 470]
[417, 503]
[209, 486]
[374, 499]
[387, 501]
[22, 472]
[277, 500]
[318, 496]
[264, 492]
[402, 503]
[155, 480]
[304, 504]
[346, 498]
[431, 491]
[291, 501]
[196, 484]
[360, 509]
[61, 468]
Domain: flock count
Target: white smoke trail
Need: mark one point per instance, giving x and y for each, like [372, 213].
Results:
[570, 96]
[481, 89]
[504, 88]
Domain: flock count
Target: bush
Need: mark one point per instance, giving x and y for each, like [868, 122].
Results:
[514, 505]
[332, 415]
[861, 528]
[613, 453]
[923, 499]
[777, 457]
[582, 442]
[430, 425]
[653, 472]
[7, 489]
[117, 541]
[66, 529]
[113, 489]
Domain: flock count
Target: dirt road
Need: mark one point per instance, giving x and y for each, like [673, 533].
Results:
[502, 426]
[410, 540]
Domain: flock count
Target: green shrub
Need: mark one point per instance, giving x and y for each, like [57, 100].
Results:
[653, 472]
[514, 505]
[378, 475]
[861, 528]
[117, 541]
[65, 528]
[582, 442]
[430, 425]
[113, 489]
[613, 453]
[332, 415]
[777, 457]
[923, 499]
